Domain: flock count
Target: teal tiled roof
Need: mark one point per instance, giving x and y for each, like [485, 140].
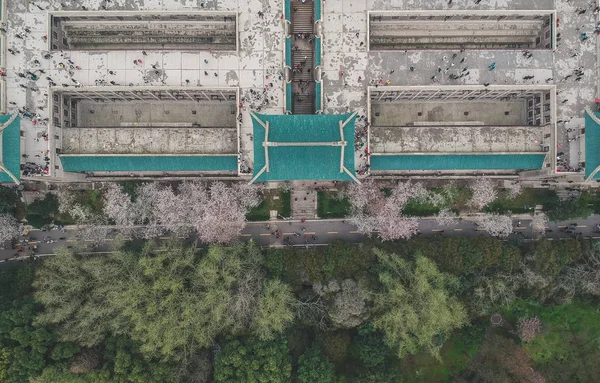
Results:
[592, 143]
[149, 163]
[11, 148]
[458, 162]
[309, 162]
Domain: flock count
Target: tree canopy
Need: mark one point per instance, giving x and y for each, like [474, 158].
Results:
[416, 309]
[253, 360]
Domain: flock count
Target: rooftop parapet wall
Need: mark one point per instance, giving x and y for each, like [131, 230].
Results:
[114, 30]
[429, 30]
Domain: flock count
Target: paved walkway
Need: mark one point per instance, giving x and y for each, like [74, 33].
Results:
[304, 203]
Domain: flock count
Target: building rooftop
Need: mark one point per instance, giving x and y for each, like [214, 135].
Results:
[149, 163]
[303, 147]
[10, 143]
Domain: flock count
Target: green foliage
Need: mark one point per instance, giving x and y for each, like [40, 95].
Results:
[253, 360]
[42, 212]
[24, 346]
[551, 257]
[339, 260]
[273, 200]
[15, 282]
[525, 202]
[124, 363]
[416, 309]
[369, 347]
[450, 197]
[313, 367]
[8, 200]
[274, 312]
[38, 221]
[171, 300]
[64, 351]
[91, 200]
[330, 205]
[196, 295]
[510, 261]
[130, 188]
[47, 207]
[335, 346]
[570, 209]
[78, 294]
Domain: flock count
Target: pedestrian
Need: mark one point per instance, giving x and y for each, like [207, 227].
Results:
[144, 53]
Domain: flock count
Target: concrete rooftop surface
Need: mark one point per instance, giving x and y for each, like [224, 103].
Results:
[257, 68]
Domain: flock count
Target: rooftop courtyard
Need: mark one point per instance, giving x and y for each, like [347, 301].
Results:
[143, 121]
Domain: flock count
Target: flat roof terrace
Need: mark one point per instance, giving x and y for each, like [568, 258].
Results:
[472, 29]
[146, 129]
[423, 113]
[460, 128]
[151, 30]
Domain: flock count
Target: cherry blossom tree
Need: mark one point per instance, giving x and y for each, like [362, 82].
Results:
[393, 225]
[483, 192]
[514, 189]
[446, 217]
[215, 210]
[528, 328]
[225, 212]
[371, 211]
[402, 192]
[118, 206]
[497, 225]
[9, 228]
[365, 196]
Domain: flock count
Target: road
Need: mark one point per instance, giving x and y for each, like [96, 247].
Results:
[325, 232]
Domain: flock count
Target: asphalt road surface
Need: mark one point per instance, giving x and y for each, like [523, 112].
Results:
[313, 233]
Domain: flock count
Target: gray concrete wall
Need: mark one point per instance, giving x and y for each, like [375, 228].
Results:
[492, 113]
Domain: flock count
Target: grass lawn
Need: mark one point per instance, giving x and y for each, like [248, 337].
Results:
[567, 348]
[328, 206]
[455, 354]
[455, 198]
[524, 202]
[274, 199]
[418, 209]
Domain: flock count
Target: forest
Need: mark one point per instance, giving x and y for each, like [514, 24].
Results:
[418, 310]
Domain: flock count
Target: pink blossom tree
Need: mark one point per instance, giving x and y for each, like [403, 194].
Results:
[118, 206]
[483, 192]
[528, 328]
[215, 210]
[446, 217]
[514, 189]
[225, 212]
[497, 225]
[393, 225]
[372, 211]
